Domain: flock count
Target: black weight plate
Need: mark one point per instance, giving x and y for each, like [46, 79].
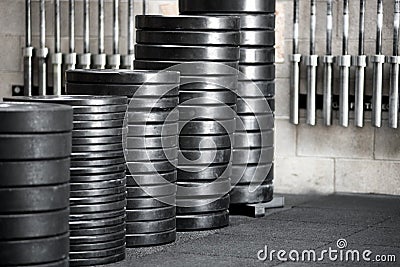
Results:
[96, 155]
[34, 173]
[96, 253]
[96, 148]
[98, 246]
[35, 146]
[195, 205]
[121, 77]
[205, 142]
[204, 157]
[253, 106]
[257, 55]
[96, 216]
[75, 209]
[179, 23]
[100, 140]
[219, 82]
[74, 240]
[150, 226]
[98, 185]
[220, 188]
[208, 97]
[176, 52]
[81, 100]
[155, 130]
[150, 154]
[256, 89]
[100, 116]
[194, 111]
[34, 118]
[97, 261]
[255, 174]
[151, 142]
[92, 224]
[137, 103]
[193, 173]
[149, 202]
[97, 192]
[33, 199]
[253, 155]
[102, 230]
[145, 167]
[97, 177]
[253, 6]
[140, 215]
[97, 162]
[148, 116]
[257, 72]
[99, 109]
[257, 139]
[255, 123]
[33, 251]
[76, 201]
[202, 221]
[61, 263]
[257, 38]
[251, 21]
[151, 179]
[152, 191]
[241, 194]
[33, 225]
[188, 37]
[207, 127]
[98, 124]
[153, 239]
[112, 132]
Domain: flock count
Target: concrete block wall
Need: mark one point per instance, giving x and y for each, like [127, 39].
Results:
[308, 159]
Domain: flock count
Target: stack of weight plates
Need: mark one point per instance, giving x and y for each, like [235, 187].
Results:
[254, 141]
[98, 191]
[205, 51]
[151, 150]
[35, 146]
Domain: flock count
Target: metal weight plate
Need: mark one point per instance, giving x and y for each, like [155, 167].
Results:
[97, 253]
[34, 173]
[202, 221]
[205, 142]
[96, 216]
[97, 185]
[191, 189]
[251, 21]
[257, 55]
[256, 123]
[96, 148]
[96, 155]
[62, 263]
[200, 173]
[241, 194]
[177, 52]
[144, 167]
[100, 140]
[33, 225]
[196, 205]
[152, 191]
[150, 202]
[253, 155]
[96, 162]
[151, 142]
[99, 116]
[148, 116]
[97, 261]
[121, 77]
[102, 207]
[260, 173]
[208, 97]
[186, 23]
[35, 146]
[81, 100]
[137, 103]
[32, 251]
[255, 6]
[219, 82]
[188, 37]
[154, 130]
[253, 106]
[151, 179]
[101, 192]
[101, 230]
[204, 157]
[257, 38]
[222, 127]
[97, 177]
[97, 124]
[189, 112]
[148, 154]
[34, 118]
[32, 199]
[142, 240]
[90, 239]
[257, 139]
[99, 109]
[137, 215]
[150, 226]
[90, 224]
[97, 199]
[97, 132]
[257, 72]
[98, 246]
[256, 89]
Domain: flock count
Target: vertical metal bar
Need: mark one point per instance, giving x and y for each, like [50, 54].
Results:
[28, 50]
[86, 25]
[57, 55]
[144, 7]
[70, 58]
[101, 27]
[43, 51]
[295, 59]
[114, 60]
[131, 28]
[328, 70]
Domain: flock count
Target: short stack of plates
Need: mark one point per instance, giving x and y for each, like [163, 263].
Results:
[98, 183]
[35, 148]
[205, 51]
[150, 150]
[254, 135]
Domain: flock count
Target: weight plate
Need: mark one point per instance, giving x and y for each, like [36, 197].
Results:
[152, 191]
[97, 162]
[253, 106]
[145, 167]
[192, 173]
[102, 192]
[207, 97]
[205, 189]
[254, 155]
[97, 200]
[34, 118]
[33, 225]
[242, 194]
[195, 205]
[102, 230]
[88, 208]
[98, 246]
[255, 123]
[61, 263]
[34, 173]
[81, 100]
[204, 142]
[96, 253]
[257, 55]
[97, 132]
[152, 142]
[207, 127]
[137, 103]
[99, 109]
[141, 240]
[188, 37]
[258, 174]
[257, 139]
[123, 89]
[257, 38]
[144, 117]
[98, 261]
[74, 240]
[224, 82]
[149, 202]
[150, 226]
[204, 157]
[271, 103]
[96, 216]
[155, 130]
[96, 155]
[97, 124]
[140, 215]
[151, 179]
[256, 89]
[76, 149]
[202, 221]
[35, 146]
[121, 77]
[96, 177]
[180, 23]
[32, 251]
[100, 140]
[32, 199]
[147, 154]
[246, 6]
[177, 52]
[97, 185]
[99, 223]
[257, 72]
[190, 112]
[99, 116]
[249, 21]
